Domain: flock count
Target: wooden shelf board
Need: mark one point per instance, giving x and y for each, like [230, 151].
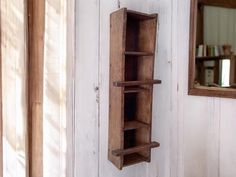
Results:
[132, 159]
[140, 16]
[131, 125]
[133, 83]
[122, 152]
[135, 89]
[214, 57]
[139, 53]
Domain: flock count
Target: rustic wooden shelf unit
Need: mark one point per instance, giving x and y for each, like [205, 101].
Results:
[132, 54]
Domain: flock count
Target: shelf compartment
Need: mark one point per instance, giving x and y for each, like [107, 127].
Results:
[135, 158]
[140, 32]
[139, 53]
[140, 15]
[131, 125]
[133, 83]
[123, 152]
[135, 89]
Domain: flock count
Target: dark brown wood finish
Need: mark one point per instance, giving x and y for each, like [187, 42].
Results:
[132, 125]
[200, 25]
[36, 28]
[201, 90]
[134, 158]
[132, 47]
[232, 70]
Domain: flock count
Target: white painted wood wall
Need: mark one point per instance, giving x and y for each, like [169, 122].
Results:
[196, 133]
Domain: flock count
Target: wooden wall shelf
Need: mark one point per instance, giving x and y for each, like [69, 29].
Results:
[132, 54]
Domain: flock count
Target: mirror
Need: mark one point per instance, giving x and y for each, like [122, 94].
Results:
[212, 66]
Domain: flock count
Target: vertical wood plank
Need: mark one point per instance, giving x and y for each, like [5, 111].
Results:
[14, 73]
[227, 149]
[86, 88]
[70, 106]
[36, 25]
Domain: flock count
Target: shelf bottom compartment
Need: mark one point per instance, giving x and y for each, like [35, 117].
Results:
[134, 158]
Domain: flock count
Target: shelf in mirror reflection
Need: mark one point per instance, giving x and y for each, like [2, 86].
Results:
[214, 57]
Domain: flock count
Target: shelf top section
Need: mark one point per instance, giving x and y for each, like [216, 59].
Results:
[140, 15]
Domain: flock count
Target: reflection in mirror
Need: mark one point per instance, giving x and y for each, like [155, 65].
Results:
[215, 47]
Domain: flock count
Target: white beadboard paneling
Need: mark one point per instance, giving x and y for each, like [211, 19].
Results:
[160, 164]
[193, 112]
[86, 81]
[227, 138]
[213, 138]
[196, 123]
[206, 146]
[54, 118]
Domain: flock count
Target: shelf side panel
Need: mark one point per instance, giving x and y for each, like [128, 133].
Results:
[116, 98]
[147, 35]
[147, 38]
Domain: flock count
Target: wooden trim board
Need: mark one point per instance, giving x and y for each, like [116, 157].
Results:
[36, 28]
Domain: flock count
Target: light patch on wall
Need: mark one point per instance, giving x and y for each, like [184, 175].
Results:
[54, 145]
[13, 47]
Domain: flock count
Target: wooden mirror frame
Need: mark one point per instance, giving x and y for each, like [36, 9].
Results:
[203, 90]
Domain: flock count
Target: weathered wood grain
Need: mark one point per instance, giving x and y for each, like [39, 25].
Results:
[116, 98]
[131, 31]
